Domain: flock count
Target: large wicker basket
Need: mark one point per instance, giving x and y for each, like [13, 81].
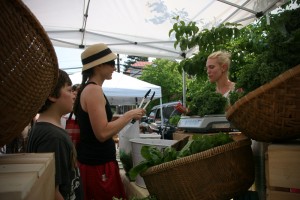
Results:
[219, 173]
[271, 112]
[28, 71]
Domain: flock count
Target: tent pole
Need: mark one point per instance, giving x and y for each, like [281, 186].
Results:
[183, 89]
[118, 63]
[161, 118]
[183, 84]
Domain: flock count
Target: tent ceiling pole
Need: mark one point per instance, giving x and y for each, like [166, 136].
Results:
[237, 6]
[64, 42]
[244, 19]
[62, 31]
[126, 42]
[141, 44]
[232, 14]
[203, 9]
[83, 29]
[268, 8]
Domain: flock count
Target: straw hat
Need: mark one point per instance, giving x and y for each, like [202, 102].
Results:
[29, 68]
[95, 55]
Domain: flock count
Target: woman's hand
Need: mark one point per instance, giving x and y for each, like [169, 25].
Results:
[136, 114]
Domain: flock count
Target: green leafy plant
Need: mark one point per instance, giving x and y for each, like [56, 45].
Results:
[126, 160]
[280, 52]
[207, 101]
[260, 51]
[153, 156]
[201, 143]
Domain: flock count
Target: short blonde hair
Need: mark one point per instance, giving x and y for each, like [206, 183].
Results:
[223, 57]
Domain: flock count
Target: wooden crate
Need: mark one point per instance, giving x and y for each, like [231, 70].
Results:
[282, 171]
[283, 165]
[280, 195]
[27, 176]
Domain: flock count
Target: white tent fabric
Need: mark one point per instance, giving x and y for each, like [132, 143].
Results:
[137, 27]
[123, 89]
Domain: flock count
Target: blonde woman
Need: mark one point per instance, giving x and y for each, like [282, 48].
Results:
[217, 67]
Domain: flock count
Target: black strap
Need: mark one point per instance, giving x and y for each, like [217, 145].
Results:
[96, 56]
[90, 82]
[70, 116]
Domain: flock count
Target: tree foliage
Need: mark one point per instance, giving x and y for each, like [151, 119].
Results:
[260, 51]
[165, 74]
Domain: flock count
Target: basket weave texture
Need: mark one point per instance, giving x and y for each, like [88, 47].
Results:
[28, 71]
[218, 173]
[271, 112]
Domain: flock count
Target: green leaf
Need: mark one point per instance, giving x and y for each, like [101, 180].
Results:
[169, 154]
[141, 167]
[156, 155]
[185, 151]
[152, 154]
[145, 152]
[170, 32]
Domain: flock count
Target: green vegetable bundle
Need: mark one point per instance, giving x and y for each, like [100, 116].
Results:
[153, 156]
[207, 102]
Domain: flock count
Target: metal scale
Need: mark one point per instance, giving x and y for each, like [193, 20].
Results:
[206, 124]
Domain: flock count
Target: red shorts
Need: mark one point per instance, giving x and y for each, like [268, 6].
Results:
[102, 182]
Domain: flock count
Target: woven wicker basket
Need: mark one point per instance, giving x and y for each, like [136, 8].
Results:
[28, 71]
[219, 173]
[271, 112]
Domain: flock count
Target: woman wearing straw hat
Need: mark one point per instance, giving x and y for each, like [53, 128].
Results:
[96, 151]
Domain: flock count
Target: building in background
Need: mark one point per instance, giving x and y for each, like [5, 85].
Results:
[135, 70]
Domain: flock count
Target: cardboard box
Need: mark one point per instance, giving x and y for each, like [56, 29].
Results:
[27, 176]
[283, 161]
[179, 135]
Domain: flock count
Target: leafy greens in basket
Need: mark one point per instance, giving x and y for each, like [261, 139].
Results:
[153, 156]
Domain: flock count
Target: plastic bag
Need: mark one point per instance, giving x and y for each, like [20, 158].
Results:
[130, 131]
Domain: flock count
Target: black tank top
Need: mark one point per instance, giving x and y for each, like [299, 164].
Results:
[90, 150]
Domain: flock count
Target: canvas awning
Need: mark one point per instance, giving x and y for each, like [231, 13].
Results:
[137, 27]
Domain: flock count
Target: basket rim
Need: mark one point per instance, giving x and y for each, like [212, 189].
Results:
[264, 88]
[197, 156]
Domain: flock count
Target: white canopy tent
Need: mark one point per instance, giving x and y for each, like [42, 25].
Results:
[124, 90]
[137, 27]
